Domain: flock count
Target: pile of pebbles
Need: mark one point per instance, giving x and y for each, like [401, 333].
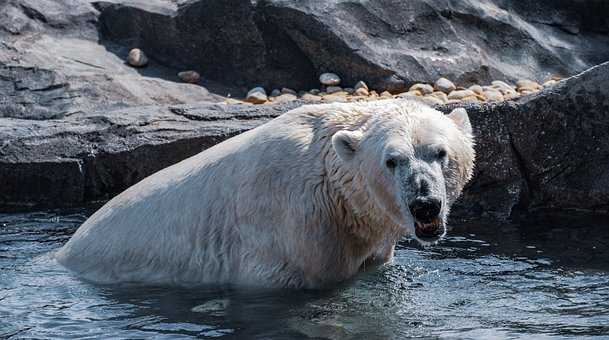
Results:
[443, 91]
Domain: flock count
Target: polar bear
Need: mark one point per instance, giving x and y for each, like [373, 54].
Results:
[303, 201]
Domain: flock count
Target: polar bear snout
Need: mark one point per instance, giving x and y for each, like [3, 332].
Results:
[426, 209]
[429, 224]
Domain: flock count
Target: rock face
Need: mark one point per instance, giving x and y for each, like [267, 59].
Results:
[89, 157]
[547, 150]
[389, 44]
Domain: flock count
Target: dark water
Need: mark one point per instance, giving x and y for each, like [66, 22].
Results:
[545, 279]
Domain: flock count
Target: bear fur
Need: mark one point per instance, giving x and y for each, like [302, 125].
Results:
[302, 201]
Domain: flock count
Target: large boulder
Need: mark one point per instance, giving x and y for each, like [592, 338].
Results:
[549, 150]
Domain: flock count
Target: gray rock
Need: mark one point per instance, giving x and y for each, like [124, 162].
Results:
[424, 89]
[275, 93]
[444, 85]
[329, 79]
[137, 58]
[333, 89]
[192, 77]
[360, 85]
[288, 91]
[257, 95]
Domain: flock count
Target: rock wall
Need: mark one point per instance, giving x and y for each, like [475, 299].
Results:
[390, 44]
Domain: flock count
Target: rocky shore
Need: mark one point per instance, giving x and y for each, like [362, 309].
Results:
[82, 116]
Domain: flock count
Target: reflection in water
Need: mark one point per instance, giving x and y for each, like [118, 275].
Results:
[547, 277]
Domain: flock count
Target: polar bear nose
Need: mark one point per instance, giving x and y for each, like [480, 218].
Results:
[425, 209]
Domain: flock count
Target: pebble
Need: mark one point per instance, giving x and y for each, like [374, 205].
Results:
[191, 77]
[311, 97]
[386, 94]
[477, 89]
[440, 95]
[257, 95]
[285, 97]
[493, 96]
[275, 93]
[335, 98]
[137, 58]
[287, 90]
[432, 100]
[470, 98]
[349, 90]
[414, 93]
[498, 84]
[511, 95]
[461, 94]
[315, 91]
[444, 85]
[361, 85]
[527, 85]
[333, 89]
[550, 82]
[373, 94]
[329, 79]
[361, 92]
[422, 88]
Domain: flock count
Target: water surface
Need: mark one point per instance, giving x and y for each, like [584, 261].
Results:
[539, 279]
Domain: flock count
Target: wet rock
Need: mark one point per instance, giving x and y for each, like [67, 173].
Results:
[422, 88]
[349, 90]
[329, 79]
[315, 91]
[191, 77]
[275, 93]
[444, 85]
[257, 95]
[137, 58]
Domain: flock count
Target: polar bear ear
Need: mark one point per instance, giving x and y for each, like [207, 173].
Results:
[461, 118]
[345, 143]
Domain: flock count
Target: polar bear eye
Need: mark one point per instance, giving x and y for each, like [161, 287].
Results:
[391, 163]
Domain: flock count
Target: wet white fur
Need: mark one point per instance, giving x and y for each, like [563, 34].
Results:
[274, 206]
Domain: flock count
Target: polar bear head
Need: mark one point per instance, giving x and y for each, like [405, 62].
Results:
[411, 160]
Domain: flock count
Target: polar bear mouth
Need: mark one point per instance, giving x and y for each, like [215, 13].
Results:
[430, 231]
